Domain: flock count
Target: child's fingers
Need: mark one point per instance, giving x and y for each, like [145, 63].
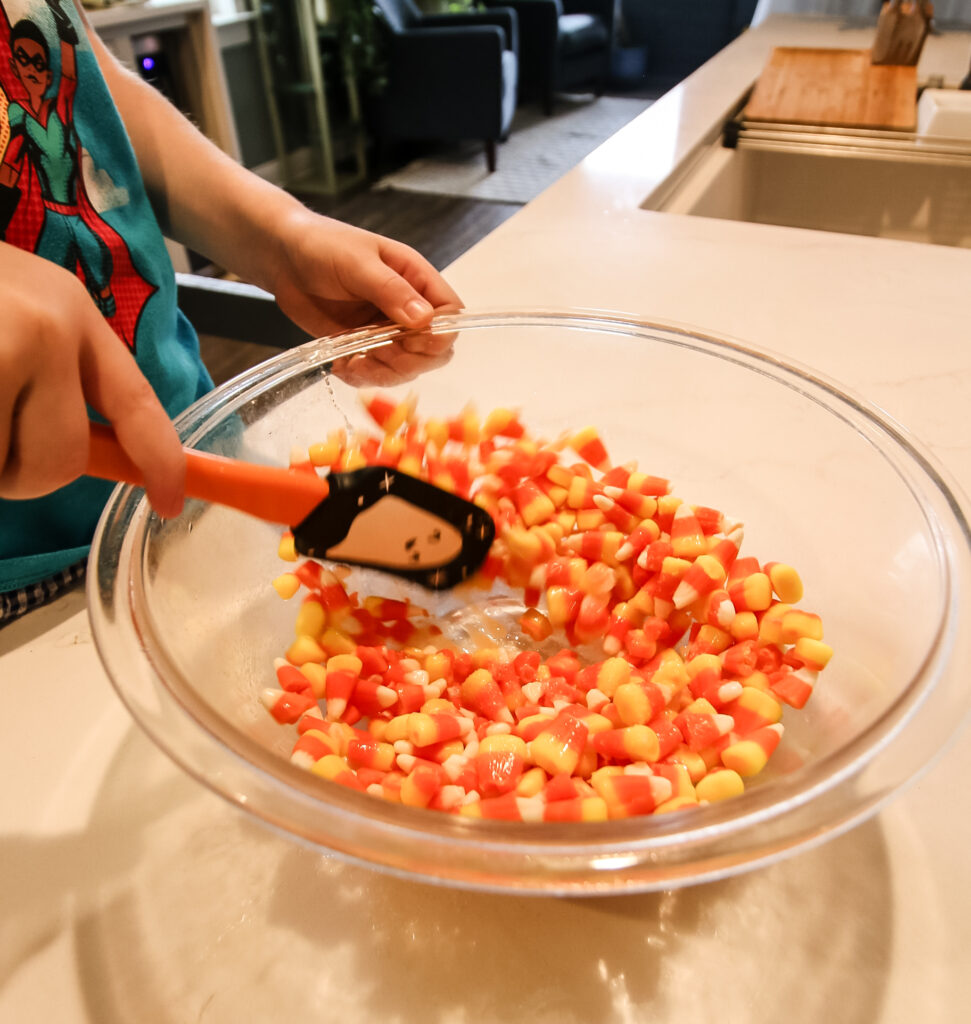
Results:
[45, 435]
[387, 287]
[398, 300]
[9, 398]
[57, 354]
[421, 275]
[116, 387]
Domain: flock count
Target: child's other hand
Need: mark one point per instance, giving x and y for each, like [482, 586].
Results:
[57, 353]
[330, 277]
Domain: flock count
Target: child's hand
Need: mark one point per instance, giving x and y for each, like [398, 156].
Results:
[403, 360]
[329, 277]
[56, 353]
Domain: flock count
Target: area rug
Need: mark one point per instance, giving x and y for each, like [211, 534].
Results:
[539, 150]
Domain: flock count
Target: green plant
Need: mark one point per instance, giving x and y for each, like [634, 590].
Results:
[362, 42]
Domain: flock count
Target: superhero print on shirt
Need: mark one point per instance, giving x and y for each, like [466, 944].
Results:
[45, 207]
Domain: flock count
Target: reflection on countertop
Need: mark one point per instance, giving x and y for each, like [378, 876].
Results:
[177, 902]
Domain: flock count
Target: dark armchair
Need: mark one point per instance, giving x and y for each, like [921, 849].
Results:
[564, 46]
[450, 77]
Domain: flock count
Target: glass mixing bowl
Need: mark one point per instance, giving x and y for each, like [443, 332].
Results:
[188, 625]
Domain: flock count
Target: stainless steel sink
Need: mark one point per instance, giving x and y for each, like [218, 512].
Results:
[883, 184]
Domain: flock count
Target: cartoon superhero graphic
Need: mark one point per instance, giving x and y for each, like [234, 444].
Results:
[44, 205]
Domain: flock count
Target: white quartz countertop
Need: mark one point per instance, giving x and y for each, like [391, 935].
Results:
[130, 893]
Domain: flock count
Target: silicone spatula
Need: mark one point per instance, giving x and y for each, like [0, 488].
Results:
[375, 517]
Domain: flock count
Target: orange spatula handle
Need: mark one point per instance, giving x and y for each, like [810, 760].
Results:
[278, 495]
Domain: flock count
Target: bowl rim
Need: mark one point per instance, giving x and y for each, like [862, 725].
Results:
[649, 839]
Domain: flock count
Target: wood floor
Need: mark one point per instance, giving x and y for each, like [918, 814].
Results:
[441, 228]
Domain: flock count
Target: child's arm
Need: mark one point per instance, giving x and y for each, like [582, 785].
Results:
[324, 274]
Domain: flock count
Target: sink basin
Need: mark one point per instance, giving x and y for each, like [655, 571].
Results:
[945, 112]
[905, 187]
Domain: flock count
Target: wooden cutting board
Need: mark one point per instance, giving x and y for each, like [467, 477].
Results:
[834, 88]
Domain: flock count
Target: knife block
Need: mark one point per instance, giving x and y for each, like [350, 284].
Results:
[901, 31]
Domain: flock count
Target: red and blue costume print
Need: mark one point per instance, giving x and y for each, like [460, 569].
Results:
[46, 206]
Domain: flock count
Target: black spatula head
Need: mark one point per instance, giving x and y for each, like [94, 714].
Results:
[384, 519]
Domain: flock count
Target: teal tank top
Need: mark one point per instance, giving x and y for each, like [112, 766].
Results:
[77, 199]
